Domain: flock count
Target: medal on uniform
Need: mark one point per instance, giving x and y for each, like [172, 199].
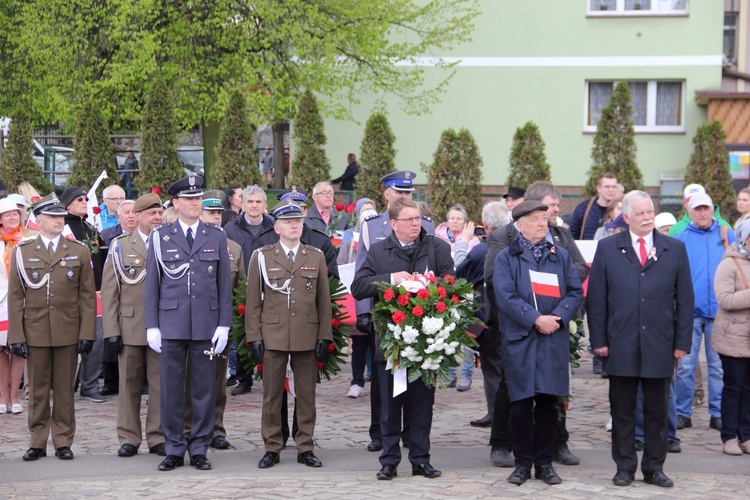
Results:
[210, 269]
[137, 261]
[131, 271]
[166, 238]
[62, 263]
[70, 274]
[275, 283]
[35, 275]
[308, 285]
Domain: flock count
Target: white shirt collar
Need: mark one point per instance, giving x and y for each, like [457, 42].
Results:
[648, 239]
[185, 227]
[287, 249]
[55, 241]
[144, 237]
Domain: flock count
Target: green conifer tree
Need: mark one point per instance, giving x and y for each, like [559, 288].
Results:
[614, 144]
[377, 158]
[93, 149]
[310, 164]
[528, 162]
[236, 160]
[18, 165]
[709, 167]
[455, 175]
[160, 166]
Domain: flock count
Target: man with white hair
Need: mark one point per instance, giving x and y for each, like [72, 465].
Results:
[690, 191]
[323, 216]
[113, 196]
[127, 222]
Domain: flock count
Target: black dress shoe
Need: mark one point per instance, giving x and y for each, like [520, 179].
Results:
[171, 462]
[127, 450]
[425, 470]
[387, 473]
[34, 454]
[242, 388]
[269, 460]
[200, 462]
[108, 391]
[623, 478]
[520, 475]
[715, 423]
[684, 422]
[657, 478]
[485, 421]
[308, 458]
[501, 457]
[564, 456]
[231, 381]
[64, 453]
[639, 445]
[220, 443]
[159, 449]
[547, 474]
[673, 447]
[375, 445]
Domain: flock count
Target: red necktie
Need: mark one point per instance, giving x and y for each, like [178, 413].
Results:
[642, 250]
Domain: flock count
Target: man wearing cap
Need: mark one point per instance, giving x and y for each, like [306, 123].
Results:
[397, 185]
[51, 283]
[123, 291]
[689, 191]
[514, 197]
[323, 216]
[706, 242]
[74, 199]
[588, 215]
[292, 321]
[538, 292]
[213, 208]
[188, 313]
[639, 309]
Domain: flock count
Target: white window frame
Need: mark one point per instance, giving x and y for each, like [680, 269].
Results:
[651, 127]
[652, 12]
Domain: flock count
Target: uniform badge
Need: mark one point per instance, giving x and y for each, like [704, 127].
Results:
[137, 261]
[191, 181]
[171, 266]
[308, 285]
[177, 256]
[70, 274]
[35, 275]
[131, 271]
[166, 238]
[275, 283]
[62, 263]
[210, 269]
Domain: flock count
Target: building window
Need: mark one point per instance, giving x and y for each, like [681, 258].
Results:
[658, 106]
[730, 38]
[637, 7]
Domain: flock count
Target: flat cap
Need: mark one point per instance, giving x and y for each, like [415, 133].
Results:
[526, 207]
[148, 200]
[515, 192]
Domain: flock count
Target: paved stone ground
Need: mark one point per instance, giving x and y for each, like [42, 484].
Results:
[460, 451]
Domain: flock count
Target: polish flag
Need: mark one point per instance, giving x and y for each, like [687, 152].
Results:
[544, 284]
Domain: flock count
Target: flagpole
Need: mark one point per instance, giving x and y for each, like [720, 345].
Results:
[536, 306]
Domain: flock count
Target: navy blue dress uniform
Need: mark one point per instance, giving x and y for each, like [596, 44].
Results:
[52, 312]
[388, 257]
[288, 316]
[373, 230]
[188, 302]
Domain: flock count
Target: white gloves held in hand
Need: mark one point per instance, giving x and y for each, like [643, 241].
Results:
[153, 337]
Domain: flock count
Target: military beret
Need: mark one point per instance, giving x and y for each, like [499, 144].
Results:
[148, 200]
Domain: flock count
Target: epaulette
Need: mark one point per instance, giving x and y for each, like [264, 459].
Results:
[267, 247]
[214, 226]
[120, 236]
[311, 248]
[79, 242]
[428, 219]
[25, 242]
[163, 225]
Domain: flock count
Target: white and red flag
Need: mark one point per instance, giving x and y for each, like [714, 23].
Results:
[545, 284]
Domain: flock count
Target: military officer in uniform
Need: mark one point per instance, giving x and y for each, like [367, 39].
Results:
[213, 208]
[188, 313]
[397, 185]
[123, 287]
[51, 283]
[292, 319]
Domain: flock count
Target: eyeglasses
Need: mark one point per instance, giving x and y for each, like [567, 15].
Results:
[82, 198]
[325, 193]
[410, 219]
[115, 199]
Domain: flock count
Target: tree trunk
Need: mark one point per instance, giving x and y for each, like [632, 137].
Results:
[210, 132]
[278, 155]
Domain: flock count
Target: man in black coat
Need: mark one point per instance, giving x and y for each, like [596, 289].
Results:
[640, 313]
[347, 180]
[405, 251]
[251, 223]
[500, 239]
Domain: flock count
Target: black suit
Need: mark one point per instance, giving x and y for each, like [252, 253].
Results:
[643, 314]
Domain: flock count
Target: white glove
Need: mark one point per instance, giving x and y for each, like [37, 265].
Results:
[220, 338]
[153, 336]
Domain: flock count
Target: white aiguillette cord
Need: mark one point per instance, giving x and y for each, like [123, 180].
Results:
[24, 277]
[281, 289]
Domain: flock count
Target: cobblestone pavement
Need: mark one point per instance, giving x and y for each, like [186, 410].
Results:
[459, 450]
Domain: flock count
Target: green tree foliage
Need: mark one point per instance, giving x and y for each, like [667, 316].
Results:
[614, 144]
[455, 175]
[376, 158]
[18, 165]
[93, 149]
[236, 161]
[709, 167]
[527, 160]
[310, 164]
[160, 166]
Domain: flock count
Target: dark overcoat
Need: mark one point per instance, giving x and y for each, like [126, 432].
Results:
[535, 363]
[641, 313]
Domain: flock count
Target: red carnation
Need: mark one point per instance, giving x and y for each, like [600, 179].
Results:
[388, 295]
[417, 311]
[455, 299]
[450, 279]
[335, 322]
[34, 199]
[441, 292]
[96, 210]
[403, 300]
[339, 206]
[259, 366]
[156, 190]
[331, 347]
[241, 309]
[350, 208]
[398, 317]
[423, 294]
[320, 366]
[440, 306]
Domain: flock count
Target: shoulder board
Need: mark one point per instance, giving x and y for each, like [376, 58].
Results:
[79, 242]
[120, 236]
[266, 247]
[162, 226]
[25, 242]
[214, 226]
[428, 219]
[312, 248]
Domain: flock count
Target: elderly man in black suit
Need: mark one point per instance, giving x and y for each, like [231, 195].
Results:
[640, 310]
